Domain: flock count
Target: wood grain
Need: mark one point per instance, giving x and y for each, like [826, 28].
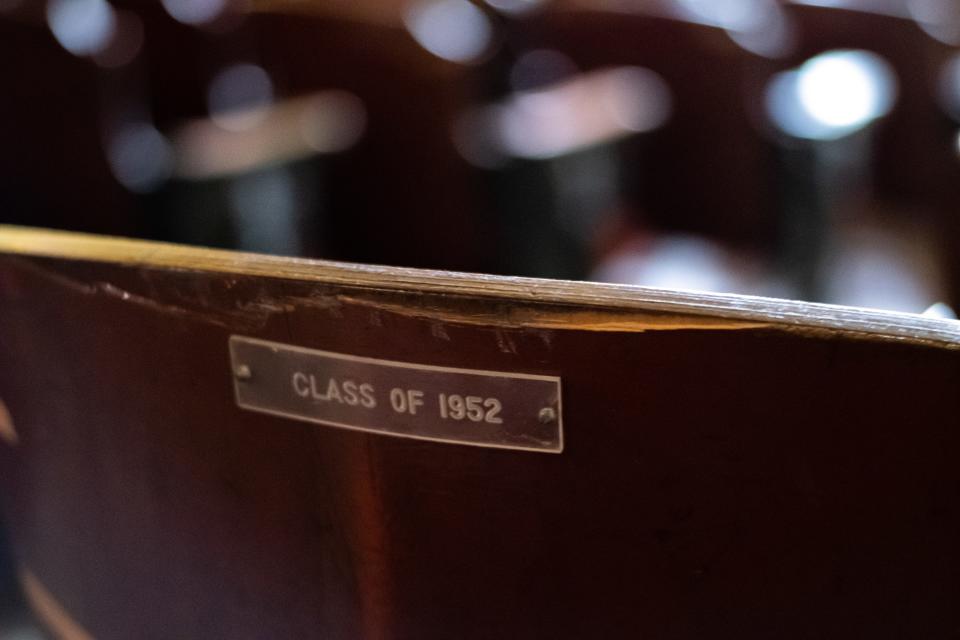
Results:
[693, 308]
[732, 467]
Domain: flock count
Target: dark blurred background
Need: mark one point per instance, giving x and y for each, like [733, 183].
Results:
[806, 149]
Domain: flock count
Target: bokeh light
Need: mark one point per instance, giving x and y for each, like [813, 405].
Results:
[82, 27]
[237, 96]
[454, 30]
[832, 94]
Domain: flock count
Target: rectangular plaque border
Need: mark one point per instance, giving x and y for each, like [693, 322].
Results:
[234, 339]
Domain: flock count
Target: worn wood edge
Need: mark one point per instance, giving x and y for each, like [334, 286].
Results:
[738, 311]
[48, 609]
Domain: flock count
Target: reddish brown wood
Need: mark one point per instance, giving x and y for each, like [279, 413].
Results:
[734, 478]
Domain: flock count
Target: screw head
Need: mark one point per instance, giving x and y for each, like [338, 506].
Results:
[243, 372]
[547, 415]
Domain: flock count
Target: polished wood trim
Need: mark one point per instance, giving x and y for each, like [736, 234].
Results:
[688, 309]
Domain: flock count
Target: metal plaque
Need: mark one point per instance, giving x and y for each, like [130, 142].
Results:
[444, 404]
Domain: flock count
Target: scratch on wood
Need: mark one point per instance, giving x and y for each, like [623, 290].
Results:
[320, 300]
[618, 306]
[250, 316]
[439, 331]
[546, 337]
[557, 318]
[506, 343]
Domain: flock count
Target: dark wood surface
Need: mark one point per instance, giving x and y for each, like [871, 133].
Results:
[733, 467]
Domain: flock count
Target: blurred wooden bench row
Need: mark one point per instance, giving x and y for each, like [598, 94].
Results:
[716, 167]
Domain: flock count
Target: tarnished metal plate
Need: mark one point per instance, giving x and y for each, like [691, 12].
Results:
[463, 406]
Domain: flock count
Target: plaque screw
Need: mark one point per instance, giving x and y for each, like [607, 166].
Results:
[243, 372]
[547, 415]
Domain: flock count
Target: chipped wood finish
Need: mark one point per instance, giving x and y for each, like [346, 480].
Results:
[601, 306]
[731, 467]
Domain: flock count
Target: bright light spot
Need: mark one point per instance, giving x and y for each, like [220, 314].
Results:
[888, 266]
[333, 121]
[454, 30]
[638, 99]
[759, 26]
[940, 19]
[829, 4]
[515, 7]
[832, 94]
[940, 310]
[140, 157]
[82, 27]
[194, 12]
[737, 15]
[786, 111]
[589, 109]
[238, 97]
[677, 262]
[845, 88]
[287, 131]
[776, 37]
[893, 8]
